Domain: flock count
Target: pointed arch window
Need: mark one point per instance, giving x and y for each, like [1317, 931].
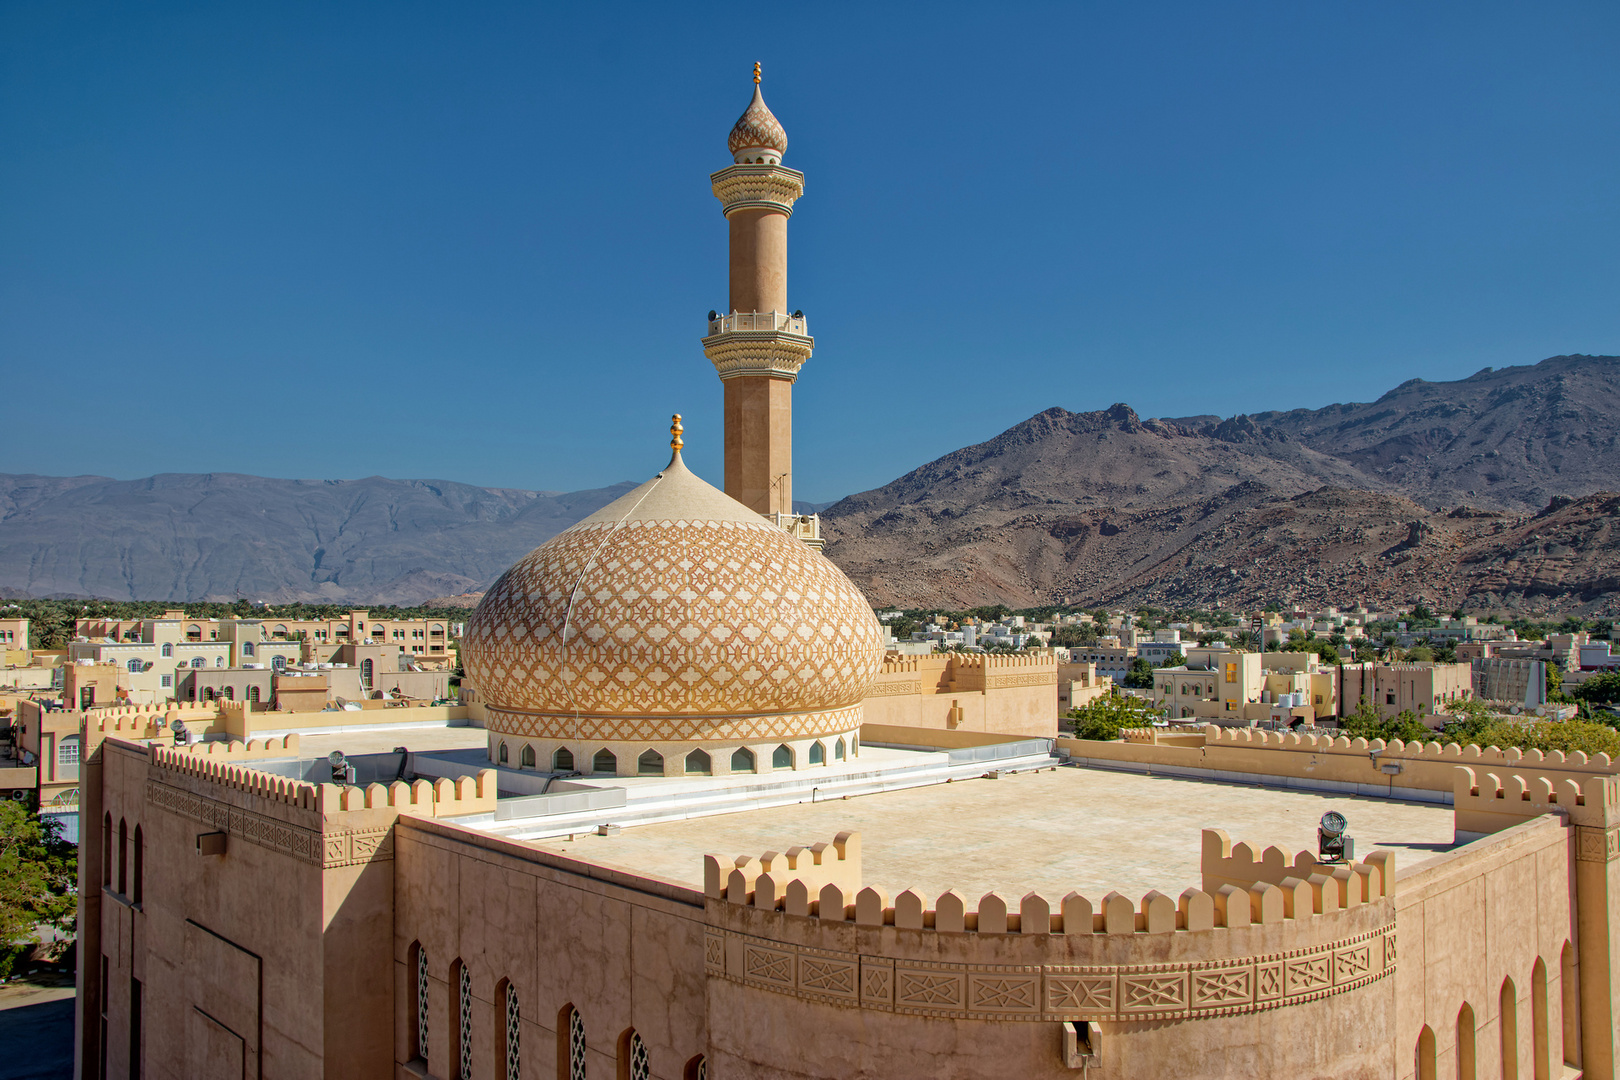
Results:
[838, 749]
[420, 1032]
[500, 754]
[526, 759]
[818, 754]
[698, 764]
[742, 760]
[650, 763]
[463, 983]
[782, 757]
[633, 1061]
[572, 1063]
[562, 760]
[605, 762]
[508, 1027]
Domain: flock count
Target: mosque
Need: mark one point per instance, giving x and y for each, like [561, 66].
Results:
[701, 827]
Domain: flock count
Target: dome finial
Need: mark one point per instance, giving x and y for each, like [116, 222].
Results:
[757, 138]
[675, 430]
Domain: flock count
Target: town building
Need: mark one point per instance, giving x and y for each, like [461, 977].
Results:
[1424, 689]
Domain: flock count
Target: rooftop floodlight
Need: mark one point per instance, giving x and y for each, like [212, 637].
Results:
[1331, 843]
[342, 771]
[179, 731]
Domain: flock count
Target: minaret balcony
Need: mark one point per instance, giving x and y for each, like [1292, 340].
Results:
[768, 321]
[769, 343]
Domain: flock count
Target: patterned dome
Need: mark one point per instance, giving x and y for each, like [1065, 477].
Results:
[674, 613]
[757, 137]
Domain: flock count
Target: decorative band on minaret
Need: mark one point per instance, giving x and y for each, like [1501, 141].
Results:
[759, 344]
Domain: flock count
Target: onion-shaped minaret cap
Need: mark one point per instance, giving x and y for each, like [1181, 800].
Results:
[757, 138]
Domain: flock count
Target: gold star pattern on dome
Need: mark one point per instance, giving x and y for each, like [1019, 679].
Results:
[695, 619]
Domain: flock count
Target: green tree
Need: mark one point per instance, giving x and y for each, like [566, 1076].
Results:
[1600, 689]
[1104, 717]
[1420, 653]
[1140, 676]
[38, 871]
[1368, 723]
[1074, 637]
[1555, 682]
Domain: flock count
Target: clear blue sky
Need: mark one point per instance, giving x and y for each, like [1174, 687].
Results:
[476, 241]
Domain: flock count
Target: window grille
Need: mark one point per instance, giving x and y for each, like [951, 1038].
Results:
[513, 1058]
[67, 751]
[640, 1069]
[576, 1046]
[421, 1003]
[464, 1000]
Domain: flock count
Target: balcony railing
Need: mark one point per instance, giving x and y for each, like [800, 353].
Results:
[759, 320]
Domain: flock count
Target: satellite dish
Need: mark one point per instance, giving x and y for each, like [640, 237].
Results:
[1333, 823]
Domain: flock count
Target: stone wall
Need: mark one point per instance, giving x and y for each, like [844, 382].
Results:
[1005, 695]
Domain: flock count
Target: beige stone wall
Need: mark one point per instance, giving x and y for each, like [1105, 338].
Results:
[1007, 695]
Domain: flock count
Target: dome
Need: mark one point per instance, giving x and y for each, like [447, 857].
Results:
[673, 615]
[757, 137]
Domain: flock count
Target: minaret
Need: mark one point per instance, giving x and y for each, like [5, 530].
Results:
[757, 346]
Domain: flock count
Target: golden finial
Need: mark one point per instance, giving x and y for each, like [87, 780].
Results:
[675, 430]
[756, 72]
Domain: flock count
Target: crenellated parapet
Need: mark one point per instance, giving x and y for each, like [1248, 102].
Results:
[1488, 801]
[443, 797]
[244, 750]
[1257, 936]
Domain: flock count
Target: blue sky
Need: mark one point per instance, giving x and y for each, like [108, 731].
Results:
[476, 242]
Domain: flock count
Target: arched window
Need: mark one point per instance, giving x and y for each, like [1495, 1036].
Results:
[197, 662]
[698, 764]
[562, 760]
[508, 1027]
[253, 693]
[782, 757]
[67, 752]
[1507, 1023]
[1570, 995]
[854, 746]
[818, 754]
[123, 857]
[107, 852]
[696, 1069]
[500, 754]
[247, 648]
[633, 1064]
[230, 693]
[605, 762]
[526, 759]
[134, 666]
[209, 694]
[1541, 1060]
[742, 760]
[571, 1053]
[1183, 689]
[650, 763]
[1424, 1059]
[1465, 1044]
[140, 865]
[461, 1052]
[278, 663]
[168, 650]
[219, 661]
[419, 1036]
[838, 749]
[366, 670]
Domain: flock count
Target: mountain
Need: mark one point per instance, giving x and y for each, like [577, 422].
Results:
[222, 535]
[1509, 438]
[1312, 505]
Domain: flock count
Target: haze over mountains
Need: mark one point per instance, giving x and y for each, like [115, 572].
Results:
[1429, 490]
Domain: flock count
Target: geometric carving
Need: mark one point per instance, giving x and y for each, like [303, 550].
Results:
[877, 981]
[1352, 963]
[1268, 981]
[827, 976]
[1597, 845]
[714, 952]
[929, 988]
[1080, 994]
[1154, 992]
[768, 965]
[1004, 992]
[1308, 973]
[1222, 986]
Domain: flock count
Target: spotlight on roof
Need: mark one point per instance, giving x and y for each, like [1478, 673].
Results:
[1331, 843]
[179, 731]
[342, 771]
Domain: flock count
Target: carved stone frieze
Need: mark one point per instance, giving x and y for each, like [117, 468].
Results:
[1597, 845]
[327, 850]
[777, 354]
[1054, 992]
[757, 187]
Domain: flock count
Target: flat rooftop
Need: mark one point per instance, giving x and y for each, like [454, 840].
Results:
[1072, 828]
